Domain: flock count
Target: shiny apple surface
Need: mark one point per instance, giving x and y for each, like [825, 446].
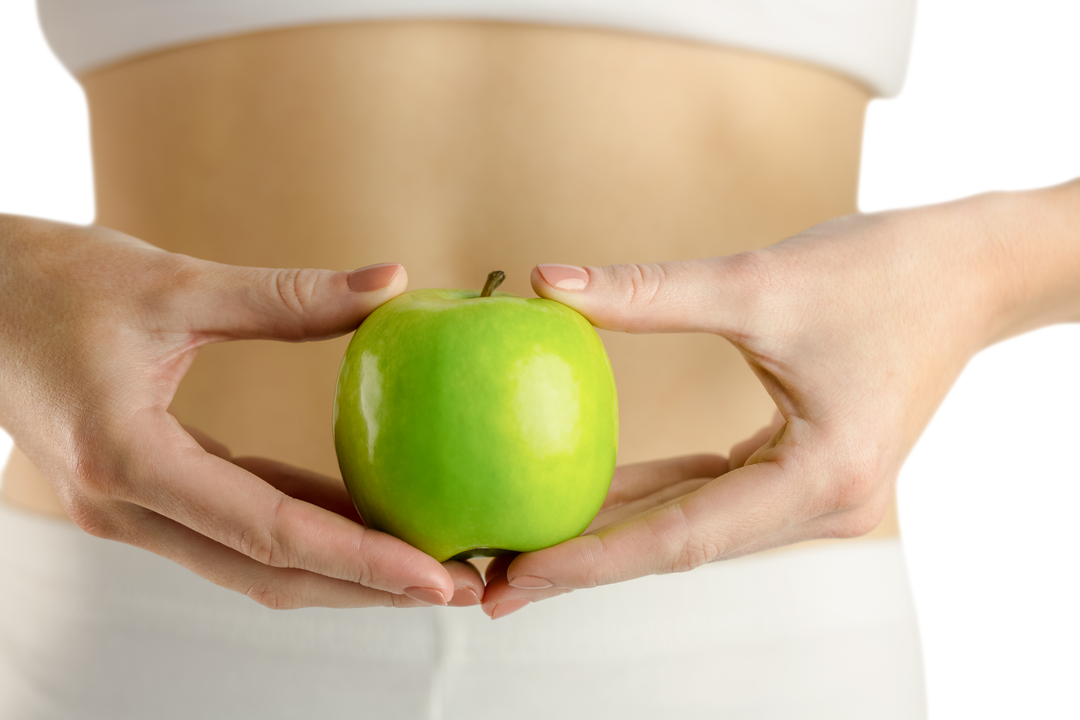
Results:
[470, 425]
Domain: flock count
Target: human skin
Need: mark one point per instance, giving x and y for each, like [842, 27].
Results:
[346, 145]
[99, 329]
[857, 327]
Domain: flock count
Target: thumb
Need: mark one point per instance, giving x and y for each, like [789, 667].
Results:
[688, 296]
[233, 303]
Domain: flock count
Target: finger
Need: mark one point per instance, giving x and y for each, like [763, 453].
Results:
[208, 443]
[711, 295]
[747, 451]
[235, 508]
[632, 482]
[330, 494]
[468, 585]
[741, 452]
[277, 588]
[498, 565]
[662, 496]
[502, 599]
[844, 523]
[713, 522]
[666, 479]
[311, 487]
[225, 302]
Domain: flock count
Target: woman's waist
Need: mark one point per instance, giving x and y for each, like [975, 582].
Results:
[458, 148]
[442, 144]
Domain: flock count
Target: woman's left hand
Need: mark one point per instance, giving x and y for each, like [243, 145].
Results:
[857, 328]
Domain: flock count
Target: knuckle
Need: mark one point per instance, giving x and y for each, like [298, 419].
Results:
[602, 557]
[853, 490]
[361, 571]
[402, 601]
[699, 549]
[854, 484]
[861, 521]
[752, 269]
[755, 279]
[691, 555]
[689, 546]
[643, 283]
[166, 284]
[593, 577]
[296, 291]
[262, 542]
[92, 520]
[98, 474]
[274, 597]
[256, 543]
[857, 493]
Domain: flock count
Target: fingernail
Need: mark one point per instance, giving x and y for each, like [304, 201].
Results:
[503, 609]
[564, 277]
[465, 597]
[431, 596]
[529, 582]
[373, 277]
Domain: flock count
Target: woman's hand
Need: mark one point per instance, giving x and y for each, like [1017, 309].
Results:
[857, 328]
[330, 494]
[97, 331]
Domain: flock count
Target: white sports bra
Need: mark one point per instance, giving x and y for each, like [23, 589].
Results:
[868, 40]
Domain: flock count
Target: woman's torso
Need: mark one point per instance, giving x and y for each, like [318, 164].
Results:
[457, 148]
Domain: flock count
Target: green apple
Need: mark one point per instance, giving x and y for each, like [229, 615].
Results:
[472, 424]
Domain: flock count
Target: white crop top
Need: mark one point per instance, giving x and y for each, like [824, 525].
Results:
[868, 40]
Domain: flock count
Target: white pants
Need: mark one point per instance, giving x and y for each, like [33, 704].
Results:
[91, 629]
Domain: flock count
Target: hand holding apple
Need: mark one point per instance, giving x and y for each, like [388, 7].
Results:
[857, 328]
[476, 424]
[97, 331]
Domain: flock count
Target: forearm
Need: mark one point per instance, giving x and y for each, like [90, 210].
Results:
[1035, 237]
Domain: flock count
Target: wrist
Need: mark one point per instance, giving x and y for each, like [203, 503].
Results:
[1034, 238]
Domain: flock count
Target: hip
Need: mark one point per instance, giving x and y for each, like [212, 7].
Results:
[91, 628]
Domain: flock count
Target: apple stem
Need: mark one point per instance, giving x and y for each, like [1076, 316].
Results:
[494, 280]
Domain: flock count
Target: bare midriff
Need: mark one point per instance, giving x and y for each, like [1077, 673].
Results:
[457, 148]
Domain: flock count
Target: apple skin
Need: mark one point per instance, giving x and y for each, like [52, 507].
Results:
[469, 425]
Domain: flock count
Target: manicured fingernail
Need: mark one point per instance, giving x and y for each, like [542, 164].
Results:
[528, 582]
[503, 609]
[373, 277]
[465, 597]
[431, 596]
[564, 277]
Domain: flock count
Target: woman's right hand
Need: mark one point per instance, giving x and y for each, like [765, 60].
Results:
[857, 328]
[97, 330]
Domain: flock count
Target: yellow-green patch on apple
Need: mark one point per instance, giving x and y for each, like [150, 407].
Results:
[469, 425]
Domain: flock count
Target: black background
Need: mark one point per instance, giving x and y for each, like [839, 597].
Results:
[986, 496]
